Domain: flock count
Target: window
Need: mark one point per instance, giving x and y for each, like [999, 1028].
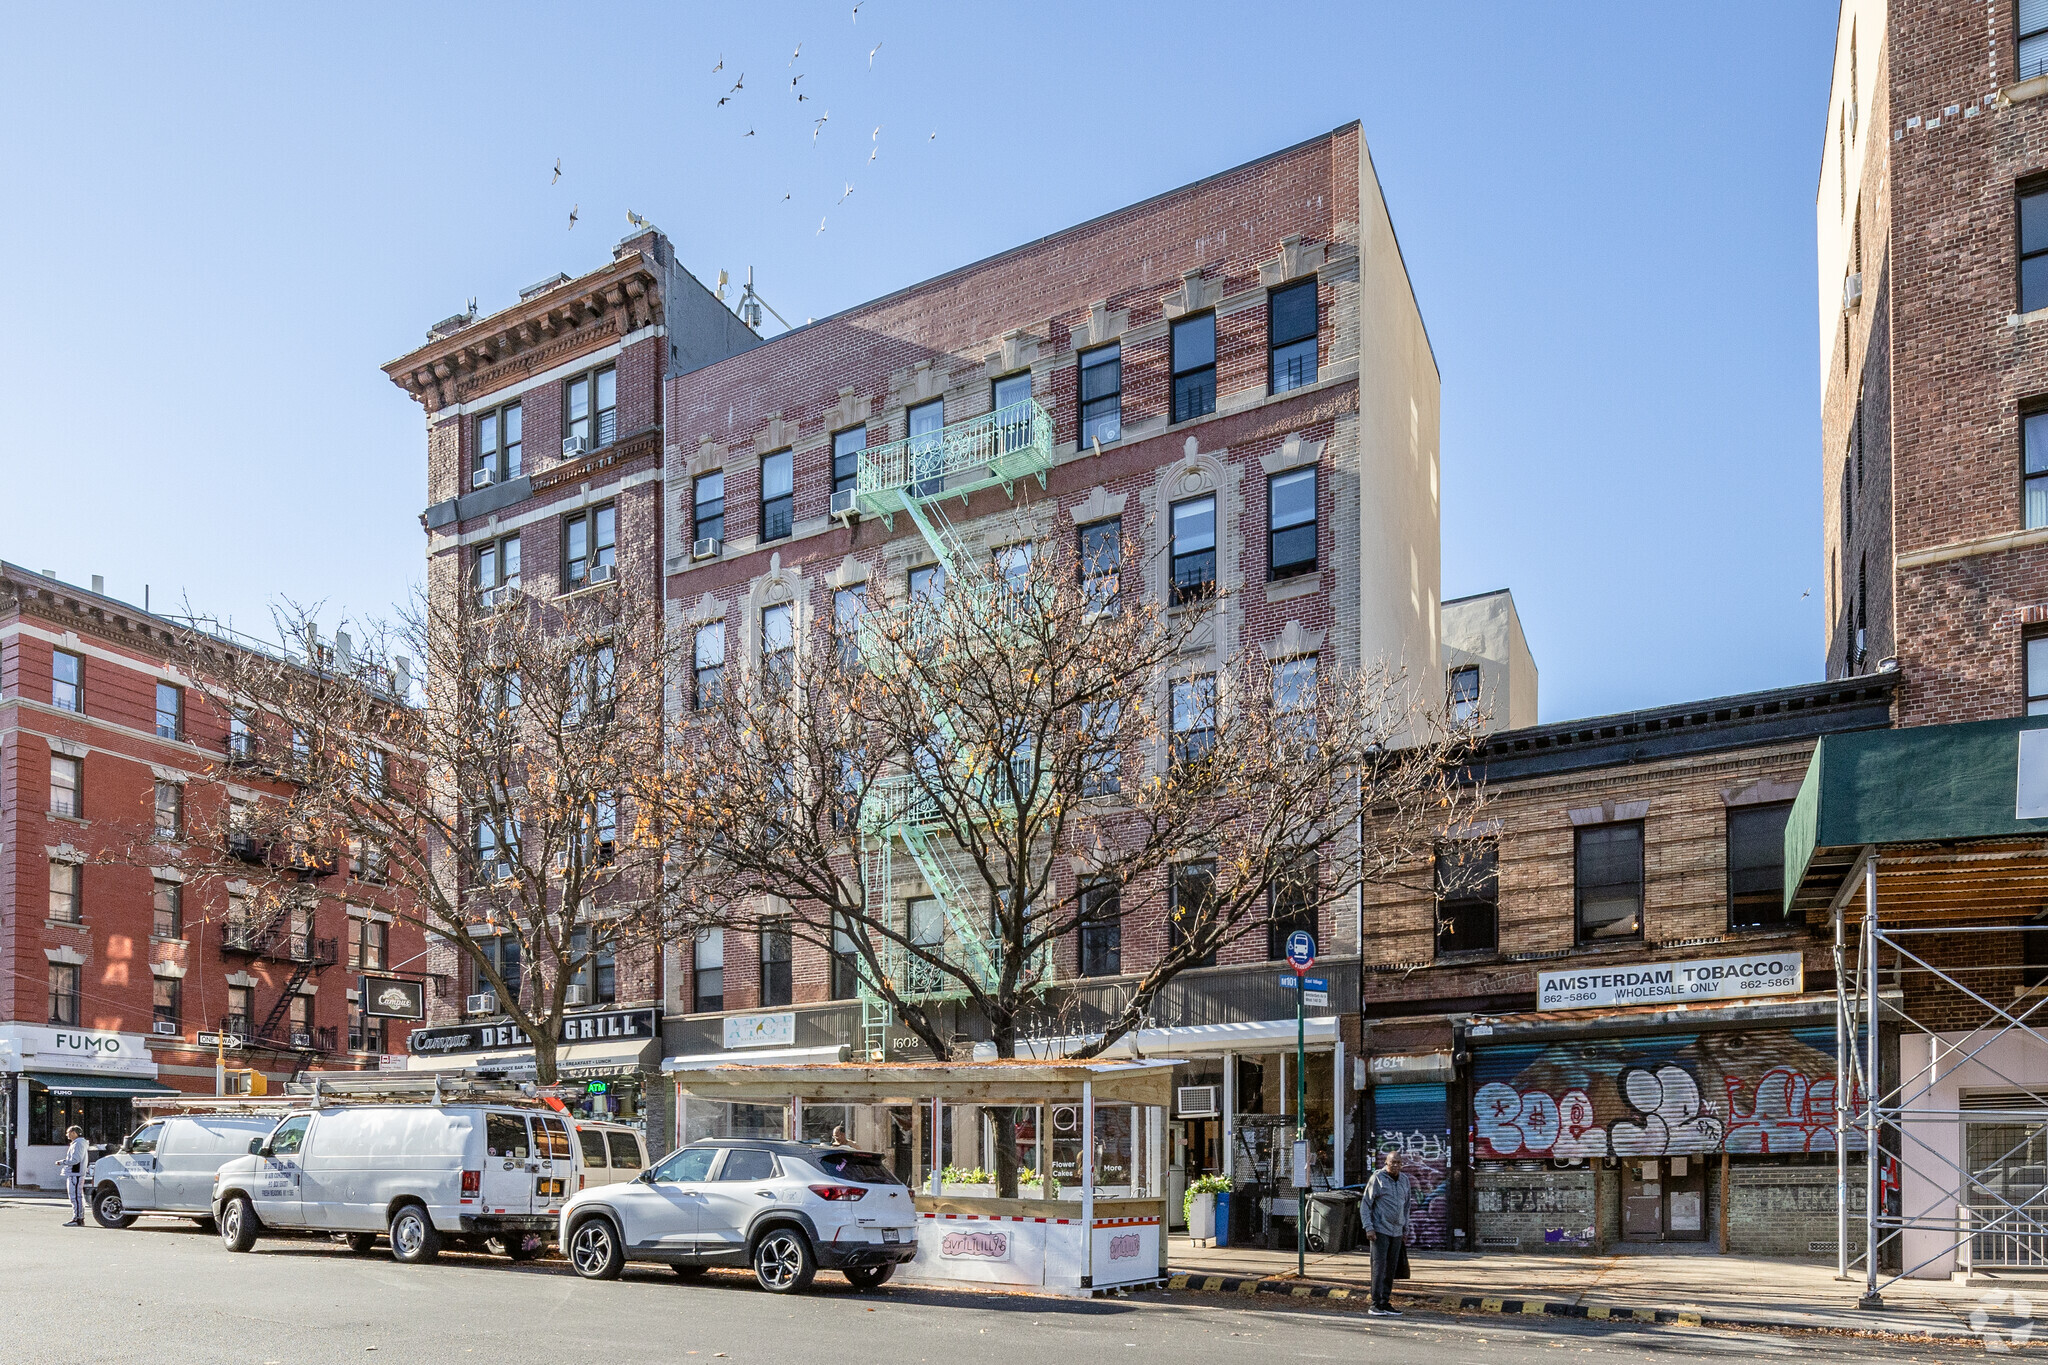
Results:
[709, 973]
[778, 646]
[496, 850]
[1008, 397]
[1291, 335]
[1294, 696]
[369, 944]
[589, 543]
[1193, 910]
[710, 666]
[170, 711]
[848, 605]
[1291, 523]
[64, 993]
[164, 1003]
[604, 828]
[376, 764]
[927, 581]
[592, 679]
[1467, 896]
[599, 973]
[845, 960]
[67, 786]
[591, 409]
[2033, 26]
[301, 1020]
[1756, 865]
[775, 984]
[241, 1007]
[2037, 675]
[235, 927]
[2034, 249]
[170, 810]
[371, 863]
[65, 905]
[241, 744]
[366, 1035]
[1194, 549]
[2036, 473]
[1194, 367]
[502, 952]
[1102, 952]
[497, 565]
[1609, 879]
[168, 903]
[499, 443]
[1194, 718]
[924, 924]
[707, 506]
[67, 681]
[1291, 903]
[1013, 563]
[846, 448]
[928, 447]
[505, 1136]
[1102, 395]
[1464, 693]
[1102, 558]
[778, 499]
[625, 1152]
[747, 1163]
[1103, 768]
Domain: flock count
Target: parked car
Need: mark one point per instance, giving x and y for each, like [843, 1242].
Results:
[167, 1166]
[787, 1209]
[424, 1174]
[607, 1153]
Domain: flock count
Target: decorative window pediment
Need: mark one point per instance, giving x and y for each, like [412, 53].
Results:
[1296, 258]
[1097, 506]
[1293, 452]
[1198, 290]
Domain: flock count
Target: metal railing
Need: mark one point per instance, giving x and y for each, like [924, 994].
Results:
[996, 447]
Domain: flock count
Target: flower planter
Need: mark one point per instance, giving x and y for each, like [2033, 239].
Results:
[1202, 1217]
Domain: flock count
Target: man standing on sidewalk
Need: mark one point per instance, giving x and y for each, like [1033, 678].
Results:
[1388, 1196]
[76, 1159]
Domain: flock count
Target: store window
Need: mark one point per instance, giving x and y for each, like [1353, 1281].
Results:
[1756, 865]
[105, 1121]
[1608, 865]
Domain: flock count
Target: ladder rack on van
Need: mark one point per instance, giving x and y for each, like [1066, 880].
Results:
[218, 1104]
[423, 1087]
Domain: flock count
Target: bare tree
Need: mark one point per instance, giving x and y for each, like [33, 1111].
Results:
[1049, 752]
[509, 798]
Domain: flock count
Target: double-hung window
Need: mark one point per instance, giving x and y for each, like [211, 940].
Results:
[2035, 475]
[927, 582]
[1467, 896]
[1102, 395]
[2033, 34]
[170, 810]
[67, 786]
[2036, 665]
[1194, 549]
[775, 982]
[928, 447]
[500, 446]
[241, 1009]
[1010, 398]
[1101, 931]
[1756, 865]
[167, 910]
[1192, 911]
[64, 993]
[1294, 696]
[590, 409]
[1291, 906]
[707, 506]
[1102, 555]
[1102, 765]
[778, 495]
[1463, 694]
[502, 952]
[590, 546]
[497, 566]
[778, 646]
[170, 711]
[67, 680]
[1608, 867]
[1291, 523]
[709, 666]
[1291, 335]
[848, 605]
[2034, 248]
[708, 971]
[1194, 367]
[846, 448]
[165, 1002]
[66, 905]
[846, 959]
[1194, 718]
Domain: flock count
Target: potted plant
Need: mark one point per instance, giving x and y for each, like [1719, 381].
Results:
[1198, 1206]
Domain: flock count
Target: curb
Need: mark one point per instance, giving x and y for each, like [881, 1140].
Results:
[1453, 1303]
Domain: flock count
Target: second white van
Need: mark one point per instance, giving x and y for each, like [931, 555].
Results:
[167, 1166]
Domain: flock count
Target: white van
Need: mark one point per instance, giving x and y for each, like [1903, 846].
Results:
[167, 1166]
[424, 1174]
[607, 1153]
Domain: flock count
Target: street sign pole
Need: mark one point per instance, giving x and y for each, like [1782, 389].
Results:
[1301, 955]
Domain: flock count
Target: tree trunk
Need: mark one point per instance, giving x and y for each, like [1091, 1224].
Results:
[1006, 1118]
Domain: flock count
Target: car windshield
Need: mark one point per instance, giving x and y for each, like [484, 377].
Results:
[692, 1163]
[865, 1167]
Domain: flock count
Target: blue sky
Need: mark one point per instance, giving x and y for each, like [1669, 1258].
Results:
[221, 221]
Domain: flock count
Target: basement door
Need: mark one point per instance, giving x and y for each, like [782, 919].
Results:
[1663, 1199]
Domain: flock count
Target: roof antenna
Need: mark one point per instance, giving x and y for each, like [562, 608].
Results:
[751, 304]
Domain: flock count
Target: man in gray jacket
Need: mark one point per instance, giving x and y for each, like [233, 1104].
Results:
[75, 1162]
[1388, 1197]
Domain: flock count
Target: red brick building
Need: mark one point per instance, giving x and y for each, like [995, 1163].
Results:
[122, 963]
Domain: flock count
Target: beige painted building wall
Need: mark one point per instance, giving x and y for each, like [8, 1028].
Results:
[1485, 631]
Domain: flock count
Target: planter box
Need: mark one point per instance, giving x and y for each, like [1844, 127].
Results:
[1202, 1217]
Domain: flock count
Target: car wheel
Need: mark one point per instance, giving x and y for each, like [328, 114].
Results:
[783, 1263]
[362, 1243]
[413, 1238]
[107, 1209]
[237, 1219]
[868, 1277]
[688, 1272]
[595, 1251]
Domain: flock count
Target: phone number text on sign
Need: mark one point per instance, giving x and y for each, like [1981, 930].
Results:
[1665, 983]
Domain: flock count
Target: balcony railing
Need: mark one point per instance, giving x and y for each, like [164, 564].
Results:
[279, 944]
[997, 447]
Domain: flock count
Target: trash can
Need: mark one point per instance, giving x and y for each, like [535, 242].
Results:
[1222, 1228]
[1332, 1219]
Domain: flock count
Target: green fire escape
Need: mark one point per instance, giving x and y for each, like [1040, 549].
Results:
[916, 476]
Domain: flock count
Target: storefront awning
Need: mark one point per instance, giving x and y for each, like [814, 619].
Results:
[1260, 1035]
[509, 1060]
[701, 1061]
[110, 1087]
[581, 1061]
[1012, 1082]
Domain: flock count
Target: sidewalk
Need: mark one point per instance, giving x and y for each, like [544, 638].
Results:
[1689, 1288]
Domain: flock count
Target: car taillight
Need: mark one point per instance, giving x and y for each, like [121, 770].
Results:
[580, 1181]
[837, 1192]
[472, 1182]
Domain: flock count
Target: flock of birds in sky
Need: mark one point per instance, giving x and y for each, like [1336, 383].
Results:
[818, 126]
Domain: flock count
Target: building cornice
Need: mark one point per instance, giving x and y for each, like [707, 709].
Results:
[548, 329]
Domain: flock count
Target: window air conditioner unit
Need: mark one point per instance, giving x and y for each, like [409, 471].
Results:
[488, 598]
[483, 1002]
[1198, 1102]
[842, 503]
[165, 1027]
[483, 478]
[1852, 291]
[706, 547]
[604, 573]
[302, 1040]
[573, 446]
[576, 995]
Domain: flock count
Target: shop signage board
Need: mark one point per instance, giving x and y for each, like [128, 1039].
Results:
[761, 1030]
[1316, 989]
[598, 1027]
[31, 1047]
[392, 997]
[1672, 983]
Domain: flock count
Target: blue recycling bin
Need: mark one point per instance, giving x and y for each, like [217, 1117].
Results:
[1223, 1218]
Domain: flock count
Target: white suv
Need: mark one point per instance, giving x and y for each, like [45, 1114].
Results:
[785, 1208]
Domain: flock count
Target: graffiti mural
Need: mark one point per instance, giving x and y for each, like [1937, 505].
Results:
[1759, 1092]
[1415, 1120]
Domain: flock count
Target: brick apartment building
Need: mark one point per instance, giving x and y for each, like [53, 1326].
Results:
[1220, 365]
[119, 973]
[545, 435]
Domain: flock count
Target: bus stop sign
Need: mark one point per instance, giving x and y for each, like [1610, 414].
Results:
[1301, 951]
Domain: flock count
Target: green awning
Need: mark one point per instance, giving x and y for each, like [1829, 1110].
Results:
[1929, 787]
[108, 1087]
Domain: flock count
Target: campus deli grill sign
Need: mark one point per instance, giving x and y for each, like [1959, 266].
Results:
[609, 1025]
[1672, 983]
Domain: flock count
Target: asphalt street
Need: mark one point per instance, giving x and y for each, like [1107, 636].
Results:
[166, 1292]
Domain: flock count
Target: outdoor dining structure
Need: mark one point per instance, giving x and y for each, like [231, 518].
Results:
[1090, 1136]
